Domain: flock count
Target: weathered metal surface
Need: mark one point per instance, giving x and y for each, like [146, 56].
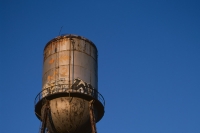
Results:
[69, 82]
[67, 58]
[54, 92]
[77, 87]
[68, 115]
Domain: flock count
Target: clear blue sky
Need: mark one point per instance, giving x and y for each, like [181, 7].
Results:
[149, 60]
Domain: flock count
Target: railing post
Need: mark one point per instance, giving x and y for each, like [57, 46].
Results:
[51, 90]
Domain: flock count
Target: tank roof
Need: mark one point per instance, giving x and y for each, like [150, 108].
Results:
[70, 36]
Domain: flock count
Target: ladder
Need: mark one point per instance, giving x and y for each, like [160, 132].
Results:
[44, 119]
[92, 116]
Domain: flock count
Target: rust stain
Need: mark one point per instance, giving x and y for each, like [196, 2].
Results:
[63, 72]
[52, 77]
[51, 61]
[63, 58]
[49, 78]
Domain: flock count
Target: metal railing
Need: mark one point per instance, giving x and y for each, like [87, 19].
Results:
[64, 88]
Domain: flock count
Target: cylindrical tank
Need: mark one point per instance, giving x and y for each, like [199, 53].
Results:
[69, 82]
[67, 59]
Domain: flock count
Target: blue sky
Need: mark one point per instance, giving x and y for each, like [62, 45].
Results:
[149, 61]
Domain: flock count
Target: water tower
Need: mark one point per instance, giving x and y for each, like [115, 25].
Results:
[69, 101]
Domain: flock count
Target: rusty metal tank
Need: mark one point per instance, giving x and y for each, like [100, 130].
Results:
[69, 83]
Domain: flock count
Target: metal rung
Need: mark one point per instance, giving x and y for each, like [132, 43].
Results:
[92, 117]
